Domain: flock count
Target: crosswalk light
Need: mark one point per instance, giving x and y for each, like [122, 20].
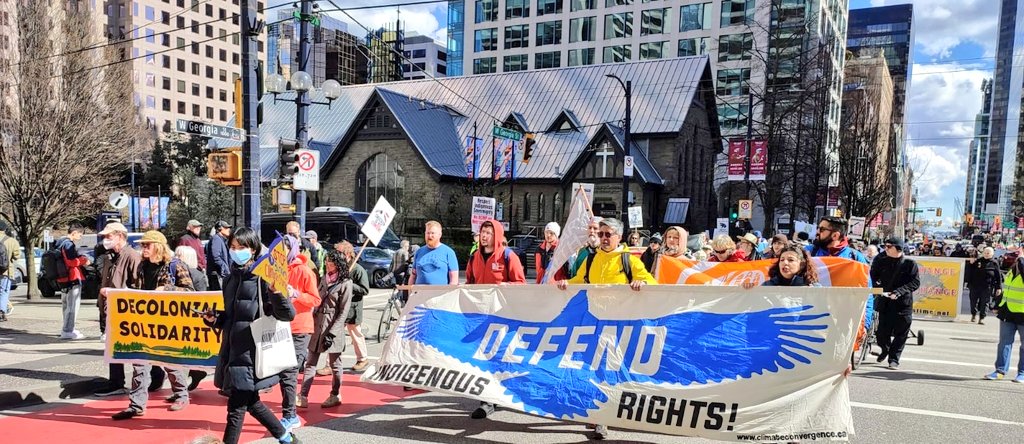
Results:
[528, 147]
[288, 158]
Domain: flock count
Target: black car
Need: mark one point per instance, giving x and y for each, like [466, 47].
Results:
[377, 263]
[332, 225]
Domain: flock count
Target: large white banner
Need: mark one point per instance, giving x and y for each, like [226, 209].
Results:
[725, 363]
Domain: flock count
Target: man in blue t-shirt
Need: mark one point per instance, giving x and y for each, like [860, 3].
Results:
[435, 263]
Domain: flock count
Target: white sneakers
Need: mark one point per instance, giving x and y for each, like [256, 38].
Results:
[74, 335]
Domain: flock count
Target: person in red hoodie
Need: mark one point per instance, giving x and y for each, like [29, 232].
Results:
[71, 297]
[547, 250]
[724, 250]
[493, 263]
[304, 295]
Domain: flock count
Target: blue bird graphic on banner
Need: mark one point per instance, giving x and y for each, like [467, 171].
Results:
[576, 351]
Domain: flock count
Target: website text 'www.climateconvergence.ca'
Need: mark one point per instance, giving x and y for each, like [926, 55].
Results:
[774, 437]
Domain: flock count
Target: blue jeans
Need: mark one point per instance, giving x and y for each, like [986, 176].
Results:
[5, 293]
[1007, 330]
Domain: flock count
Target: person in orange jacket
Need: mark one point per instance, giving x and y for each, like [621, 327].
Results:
[494, 263]
[305, 297]
[546, 251]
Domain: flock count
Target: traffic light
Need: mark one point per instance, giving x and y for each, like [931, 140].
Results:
[938, 212]
[734, 212]
[289, 164]
[528, 147]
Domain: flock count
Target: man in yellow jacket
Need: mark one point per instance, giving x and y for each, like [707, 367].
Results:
[613, 264]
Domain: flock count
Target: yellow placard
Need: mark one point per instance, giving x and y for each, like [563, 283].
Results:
[273, 267]
[942, 283]
[162, 327]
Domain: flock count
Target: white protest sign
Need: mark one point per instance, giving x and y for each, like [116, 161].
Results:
[856, 230]
[721, 227]
[379, 220]
[636, 217]
[483, 209]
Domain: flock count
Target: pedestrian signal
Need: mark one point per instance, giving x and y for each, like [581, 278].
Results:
[225, 167]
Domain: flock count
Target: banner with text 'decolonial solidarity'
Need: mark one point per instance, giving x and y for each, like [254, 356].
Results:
[725, 363]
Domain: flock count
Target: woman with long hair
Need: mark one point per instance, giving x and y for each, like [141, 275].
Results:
[244, 293]
[792, 269]
[329, 324]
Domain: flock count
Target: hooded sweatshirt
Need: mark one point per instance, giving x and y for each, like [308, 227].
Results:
[543, 256]
[491, 269]
[303, 280]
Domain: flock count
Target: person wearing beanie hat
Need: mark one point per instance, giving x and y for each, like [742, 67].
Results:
[898, 277]
[547, 250]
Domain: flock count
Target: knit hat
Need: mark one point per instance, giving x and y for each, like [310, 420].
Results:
[655, 239]
[896, 243]
[554, 228]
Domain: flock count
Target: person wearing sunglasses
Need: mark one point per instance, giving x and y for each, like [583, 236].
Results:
[898, 277]
[723, 249]
[831, 241]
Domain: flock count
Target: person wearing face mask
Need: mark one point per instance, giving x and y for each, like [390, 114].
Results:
[898, 277]
[329, 332]
[580, 257]
[547, 250]
[831, 241]
[983, 281]
[244, 295]
[304, 296]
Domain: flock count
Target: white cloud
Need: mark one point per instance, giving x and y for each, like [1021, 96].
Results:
[422, 19]
[939, 173]
[941, 25]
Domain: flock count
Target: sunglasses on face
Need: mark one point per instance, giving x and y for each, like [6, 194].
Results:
[605, 234]
[721, 251]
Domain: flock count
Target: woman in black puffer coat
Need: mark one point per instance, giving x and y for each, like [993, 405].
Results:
[236, 372]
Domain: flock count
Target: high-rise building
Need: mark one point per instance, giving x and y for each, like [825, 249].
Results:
[334, 52]
[889, 28]
[194, 81]
[424, 58]
[385, 48]
[977, 161]
[1002, 188]
[867, 110]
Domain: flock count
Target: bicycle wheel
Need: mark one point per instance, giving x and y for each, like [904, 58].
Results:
[859, 355]
[384, 325]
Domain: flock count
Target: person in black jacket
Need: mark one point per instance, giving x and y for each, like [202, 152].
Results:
[650, 256]
[897, 276]
[218, 260]
[236, 372]
[983, 279]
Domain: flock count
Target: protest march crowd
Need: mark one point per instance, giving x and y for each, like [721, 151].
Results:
[322, 301]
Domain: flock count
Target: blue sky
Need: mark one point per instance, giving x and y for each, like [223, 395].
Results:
[954, 44]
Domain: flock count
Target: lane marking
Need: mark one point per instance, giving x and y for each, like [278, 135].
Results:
[934, 413]
[939, 361]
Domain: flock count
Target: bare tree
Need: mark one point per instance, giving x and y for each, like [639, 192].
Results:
[865, 187]
[67, 120]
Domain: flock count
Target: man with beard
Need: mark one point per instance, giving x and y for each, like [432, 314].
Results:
[831, 241]
[593, 241]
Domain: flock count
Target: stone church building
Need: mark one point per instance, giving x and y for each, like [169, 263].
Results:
[412, 142]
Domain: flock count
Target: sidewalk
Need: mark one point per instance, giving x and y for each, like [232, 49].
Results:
[36, 366]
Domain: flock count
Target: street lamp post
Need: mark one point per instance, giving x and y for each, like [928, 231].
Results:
[627, 86]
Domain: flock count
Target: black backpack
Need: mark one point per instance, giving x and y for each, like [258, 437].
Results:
[5, 256]
[53, 265]
[626, 269]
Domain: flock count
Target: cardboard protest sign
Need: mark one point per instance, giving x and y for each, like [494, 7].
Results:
[162, 327]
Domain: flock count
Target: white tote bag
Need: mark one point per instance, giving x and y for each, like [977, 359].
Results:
[275, 352]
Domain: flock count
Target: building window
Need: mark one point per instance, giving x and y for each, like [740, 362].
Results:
[694, 17]
[165, 104]
[195, 110]
[421, 53]
[618, 53]
[181, 108]
[583, 29]
[541, 206]
[181, 86]
[556, 207]
[485, 65]
[653, 21]
[484, 40]
[379, 176]
[737, 12]
[517, 8]
[165, 83]
[618, 25]
[547, 60]
[486, 11]
[518, 62]
[209, 92]
[610, 3]
[209, 112]
[150, 13]
[517, 36]
[693, 47]
[735, 47]
[549, 33]
[732, 117]
[223, 115]
[733, 82]
[653, 50]
[581, 57]
[526, 206]
[150, 38]
[549, 7]
[581, 5]
[195, 69]
[195, 89]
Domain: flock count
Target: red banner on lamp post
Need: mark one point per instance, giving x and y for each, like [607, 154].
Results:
[758, 159]
[737, 159]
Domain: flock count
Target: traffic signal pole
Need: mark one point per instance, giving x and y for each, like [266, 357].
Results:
[250, 30]
[302, 103]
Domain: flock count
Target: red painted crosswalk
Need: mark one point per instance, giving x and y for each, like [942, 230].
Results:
[206, 415]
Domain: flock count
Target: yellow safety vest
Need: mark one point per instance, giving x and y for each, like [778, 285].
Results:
[1013, 293]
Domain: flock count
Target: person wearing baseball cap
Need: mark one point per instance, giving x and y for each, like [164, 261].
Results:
[218, 261]
[193, 238]
[650, 256]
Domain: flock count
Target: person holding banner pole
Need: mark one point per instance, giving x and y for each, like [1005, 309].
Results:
[236, 368]
[328, 336]
[546, 250]
[580, 257]
[305, 297]
[159, 271]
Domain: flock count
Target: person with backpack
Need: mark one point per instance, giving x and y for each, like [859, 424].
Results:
[612, 263]
[158, 271]
[70, 277]
[493, 263]
[10, 251]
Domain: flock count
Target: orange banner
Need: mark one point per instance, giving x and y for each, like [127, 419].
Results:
[832, 272]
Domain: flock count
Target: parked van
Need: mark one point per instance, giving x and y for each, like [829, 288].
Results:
[332, 225]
